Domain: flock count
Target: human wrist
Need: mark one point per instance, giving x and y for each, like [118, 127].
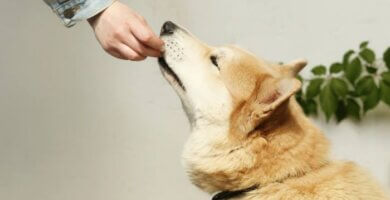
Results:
[94, 18]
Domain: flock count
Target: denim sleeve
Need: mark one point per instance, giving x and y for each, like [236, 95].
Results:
[71, 11]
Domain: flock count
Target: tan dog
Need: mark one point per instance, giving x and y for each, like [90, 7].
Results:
[250, 139]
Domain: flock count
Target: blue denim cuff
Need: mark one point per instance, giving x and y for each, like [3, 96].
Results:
[71, 11]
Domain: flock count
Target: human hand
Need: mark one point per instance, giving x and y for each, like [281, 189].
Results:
[125, 34]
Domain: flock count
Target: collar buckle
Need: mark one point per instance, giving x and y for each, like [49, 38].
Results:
[225, 195]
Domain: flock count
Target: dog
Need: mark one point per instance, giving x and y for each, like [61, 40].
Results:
[250, 140]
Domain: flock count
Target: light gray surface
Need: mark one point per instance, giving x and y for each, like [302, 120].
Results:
[77, 124]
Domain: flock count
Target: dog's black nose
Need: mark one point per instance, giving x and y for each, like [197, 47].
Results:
[168, 28]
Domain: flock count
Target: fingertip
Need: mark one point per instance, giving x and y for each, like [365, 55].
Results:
[161, 43]
[158, 47]
[146, 36]
[137, 58]
[140, 58]
[156, 53]
[162, 49]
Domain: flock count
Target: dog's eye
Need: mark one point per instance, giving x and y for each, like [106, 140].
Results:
[214, 61]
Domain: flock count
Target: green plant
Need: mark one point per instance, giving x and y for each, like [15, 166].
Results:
[348, 88]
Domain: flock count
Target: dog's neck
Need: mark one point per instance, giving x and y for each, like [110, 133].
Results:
[271, 154]
[283, 146]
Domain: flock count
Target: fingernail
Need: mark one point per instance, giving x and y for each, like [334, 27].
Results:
[162, 49]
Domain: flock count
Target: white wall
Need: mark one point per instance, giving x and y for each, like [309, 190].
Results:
[78, 124]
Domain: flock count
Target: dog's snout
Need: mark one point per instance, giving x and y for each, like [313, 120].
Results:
[168, 28]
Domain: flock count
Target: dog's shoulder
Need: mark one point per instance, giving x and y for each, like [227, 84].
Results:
[338, 180]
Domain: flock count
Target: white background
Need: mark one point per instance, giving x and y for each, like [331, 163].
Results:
[77, 124]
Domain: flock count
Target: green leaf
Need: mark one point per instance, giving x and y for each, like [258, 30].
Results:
[341, 112]
[365, 85]
[386, 77]
[311, 107]
[299, 98]
[363, 44]
[353, 109]
[339, 87]
[371, 100]
[386, 57]
[299, 77]
[385, 92]
[299, 93]
[346, 57]
[353, 94]
[313, 89]
[371, 70]
[319, 70]
[336, 68]
[368, 55]
[301, 102]
[328, 101]
[353, 70]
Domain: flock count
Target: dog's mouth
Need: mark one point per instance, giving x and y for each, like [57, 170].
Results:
[165, 67]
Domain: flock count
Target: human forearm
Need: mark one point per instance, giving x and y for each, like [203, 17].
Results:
[71, 11]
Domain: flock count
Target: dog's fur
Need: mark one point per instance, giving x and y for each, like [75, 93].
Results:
[247, 129]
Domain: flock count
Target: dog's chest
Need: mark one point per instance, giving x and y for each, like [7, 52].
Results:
[213, 163]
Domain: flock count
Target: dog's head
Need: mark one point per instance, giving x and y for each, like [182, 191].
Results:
[228, 95]
[214, 83]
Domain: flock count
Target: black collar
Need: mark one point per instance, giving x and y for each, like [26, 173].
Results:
[225, 195]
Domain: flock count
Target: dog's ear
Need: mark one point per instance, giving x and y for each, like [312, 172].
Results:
[292, 68]
[267, 97]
